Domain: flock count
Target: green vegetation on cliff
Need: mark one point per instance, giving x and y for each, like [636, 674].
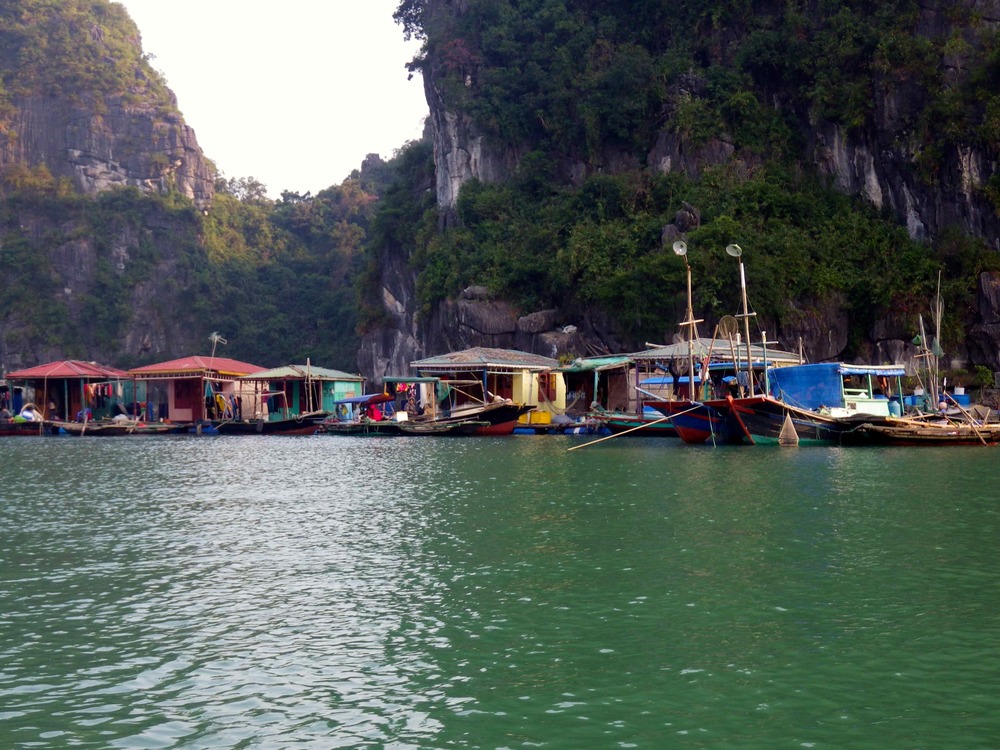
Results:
[598, 248]
[61, 48]
[600, 85]
[276, 278]
[575, 78]
[127, 276]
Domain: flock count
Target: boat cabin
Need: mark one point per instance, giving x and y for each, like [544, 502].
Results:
[840, 389]
[661, 372]
[596, 382]
[432, 398]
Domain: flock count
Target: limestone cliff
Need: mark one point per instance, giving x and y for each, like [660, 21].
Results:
[80, 98]
[113, 145]
[117, 285]
[105, 276]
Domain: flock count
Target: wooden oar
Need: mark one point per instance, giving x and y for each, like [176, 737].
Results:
[969, 417]
[619, 434]
[632, 429]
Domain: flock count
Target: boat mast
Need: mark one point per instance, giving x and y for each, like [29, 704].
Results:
[680, 248]
[736, 251]
[938, 313]
[309, 393]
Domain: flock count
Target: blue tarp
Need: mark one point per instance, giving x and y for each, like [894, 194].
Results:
[819, 385]
[808, 386]
[666, 380]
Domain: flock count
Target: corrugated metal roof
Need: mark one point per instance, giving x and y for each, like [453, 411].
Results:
[720, 351]
[198, 365]
[481, 357]
[68, 368]
[301, 372]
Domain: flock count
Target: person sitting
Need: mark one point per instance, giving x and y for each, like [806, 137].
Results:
[29, 414]
[84, 415]
[4, 416]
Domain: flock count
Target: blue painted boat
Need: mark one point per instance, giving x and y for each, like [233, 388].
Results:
[824, 403]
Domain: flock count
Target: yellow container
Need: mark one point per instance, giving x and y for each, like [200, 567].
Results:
[535, 417]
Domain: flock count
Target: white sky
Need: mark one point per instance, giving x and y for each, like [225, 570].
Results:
[294, 94]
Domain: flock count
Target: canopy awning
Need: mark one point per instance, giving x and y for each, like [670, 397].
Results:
[416, 379]
[366, 399]
[881, 371]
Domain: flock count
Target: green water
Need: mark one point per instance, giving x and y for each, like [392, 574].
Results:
[405, 593]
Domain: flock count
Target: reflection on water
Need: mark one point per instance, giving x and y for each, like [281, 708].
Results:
[331, 592]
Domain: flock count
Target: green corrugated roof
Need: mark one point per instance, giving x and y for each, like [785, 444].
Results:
[589, 364]
[300, 372]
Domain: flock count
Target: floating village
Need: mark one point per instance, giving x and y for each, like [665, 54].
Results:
[719, 390]
[739, 394]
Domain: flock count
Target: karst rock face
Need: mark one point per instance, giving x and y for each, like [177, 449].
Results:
[92, 113]
[880, 163]
[106, 145]
[80, 98]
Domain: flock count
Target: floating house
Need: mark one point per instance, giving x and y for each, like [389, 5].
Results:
[303, 389]
[193, 389]
[592, 382]
[63, 388]
[523, 378]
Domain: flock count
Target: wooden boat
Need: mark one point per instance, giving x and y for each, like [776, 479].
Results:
[360, 415]
[909, 432]
[383, 427]
[499, 420]
[27, 428]
[306, 424]
[442, 427]
[118, 428]
[814, 401]
[694, 422]
[433, 399]
[644, 425]
[761, 419]
[496, 418]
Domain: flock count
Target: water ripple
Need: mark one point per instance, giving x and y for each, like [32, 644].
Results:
[325, 593]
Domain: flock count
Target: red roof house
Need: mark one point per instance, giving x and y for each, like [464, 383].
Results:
[59, 389]
[195, 388]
